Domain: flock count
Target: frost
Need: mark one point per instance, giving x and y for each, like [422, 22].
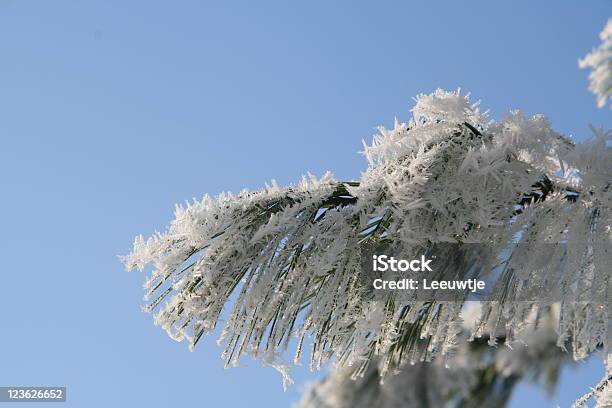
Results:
[287, 260]
[600, 62]
[476, 375]
[601, 393]
[447, 106]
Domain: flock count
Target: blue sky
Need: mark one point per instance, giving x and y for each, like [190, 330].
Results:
[110, 112]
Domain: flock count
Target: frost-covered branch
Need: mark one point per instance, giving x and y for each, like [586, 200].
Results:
[600, 62]
[477, 375]
[601, 393]
[287, 260]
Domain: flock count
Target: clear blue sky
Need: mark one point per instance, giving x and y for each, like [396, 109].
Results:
[112, 111]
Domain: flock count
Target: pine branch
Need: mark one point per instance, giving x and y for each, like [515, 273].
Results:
[290, 258]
